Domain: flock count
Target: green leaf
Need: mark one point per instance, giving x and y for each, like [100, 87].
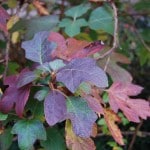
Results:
[102, 18]
[28, 132]
[41, 94]
[3, 116]
[143, 5]
[77, 11]
[55, 141]
[72, 27]
[56, 64]
[13, 67]
[5, 139]
[34, 25]
[84, 87]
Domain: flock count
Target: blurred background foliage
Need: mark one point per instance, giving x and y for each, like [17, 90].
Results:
[29, 17]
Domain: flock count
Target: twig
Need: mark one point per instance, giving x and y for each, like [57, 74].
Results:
[142, 41]
[107, 62]
[115, 34]
[2, 60]
[62, 9]
[7, 55]
[135, 135]
[142, 133]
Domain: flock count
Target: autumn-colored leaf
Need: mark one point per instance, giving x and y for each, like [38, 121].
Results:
[119, 99]
[3, 17]
[116, 72]
[14, 96]
[72, 48]
[94, 104]
[77, 143]
[39, 6]
[111, 118]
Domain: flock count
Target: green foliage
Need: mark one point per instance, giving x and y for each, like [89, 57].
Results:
[101, 18]
[77, 11]
[6, 139]
[47, 78]
[35, 25]
[28, 132]
[72, 27]
[54, 140]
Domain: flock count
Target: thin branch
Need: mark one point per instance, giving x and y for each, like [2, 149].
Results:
[2, 60]
[135, 135]
[128, 133]
[115, 34]
[142, 41]
[107, 62]
[7, 55]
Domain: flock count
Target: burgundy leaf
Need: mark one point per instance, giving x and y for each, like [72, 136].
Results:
[71, 48]
[82, 70]
[15, 97]
[55, 108]
[26, 78]
[132, 108]
[3, 17]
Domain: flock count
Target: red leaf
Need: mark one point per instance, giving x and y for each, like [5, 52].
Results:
[111, 118]
[3, 17]
[94, 104]
[119, 99]
[72, 48]
[14, 96]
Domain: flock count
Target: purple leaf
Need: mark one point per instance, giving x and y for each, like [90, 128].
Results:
[17, 97]
[3, 18]
[81, 116]
[39, 48]
[55, 108]
[14, 96]
[26, 78]
[82, 70]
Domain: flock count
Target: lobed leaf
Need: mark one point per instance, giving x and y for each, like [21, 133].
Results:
[77, 11]
[14, 96]
[102, 18]
[28, 132]
[82, 70]
[72, 27]
[75, 142]
[72, 48]
[81, 116]
[26, 78]
[94, 104]
[39, 48]
[119, 99]
[116, 72]
[55, 108]
[35, 25]
[111, 118]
